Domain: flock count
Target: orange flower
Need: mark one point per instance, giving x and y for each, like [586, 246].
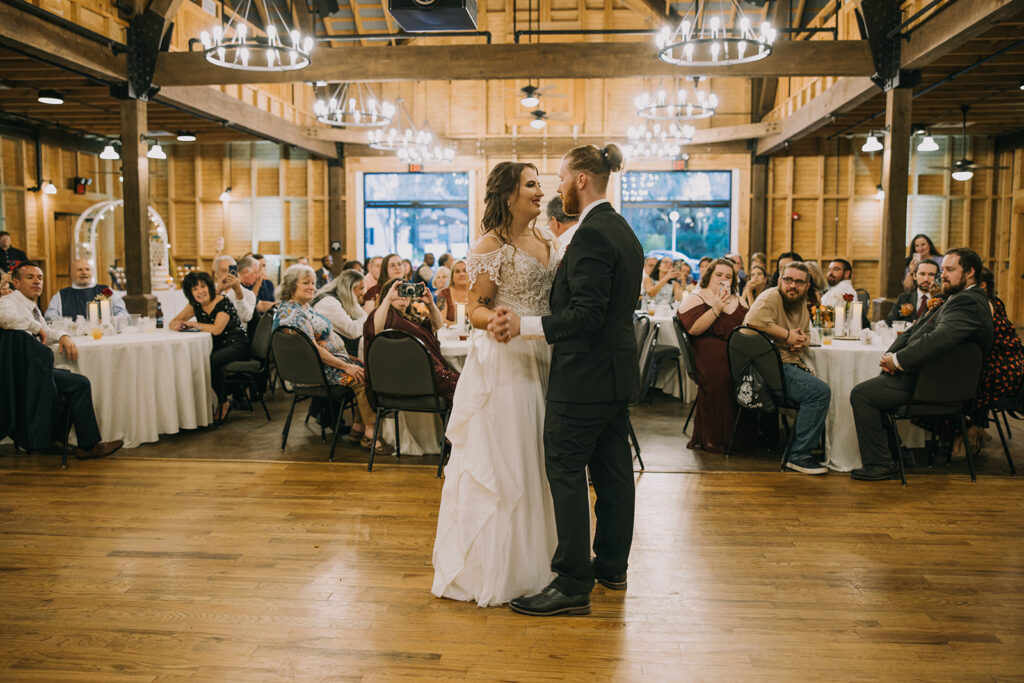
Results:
[934, 302]
[906, 309]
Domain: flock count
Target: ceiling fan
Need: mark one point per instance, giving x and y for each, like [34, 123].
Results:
[539, 118]
[529, 95]
[963, 168]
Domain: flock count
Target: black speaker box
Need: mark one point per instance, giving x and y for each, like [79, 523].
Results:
[422, 16]
[325, 8]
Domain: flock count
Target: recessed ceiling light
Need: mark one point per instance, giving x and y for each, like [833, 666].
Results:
[185, 136]
[50, 97]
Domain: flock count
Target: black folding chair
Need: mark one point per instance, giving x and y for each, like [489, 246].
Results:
[246, 373]
[299, 363]
[689, 362]
[749, 346]
[400, 377]
[1014, 407]
[646, 371]
[943, 388]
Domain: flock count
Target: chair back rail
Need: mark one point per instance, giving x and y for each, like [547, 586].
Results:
[260, 347]
[647, 361]
[296, 356]
[398, 365]
[689, 358]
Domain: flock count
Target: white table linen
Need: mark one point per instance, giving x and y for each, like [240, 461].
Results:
[144, 385]
[843, 365]
[666, 380]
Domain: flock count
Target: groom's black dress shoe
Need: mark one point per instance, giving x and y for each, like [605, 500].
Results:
[875, 473]
[615, 583]
[550, 602]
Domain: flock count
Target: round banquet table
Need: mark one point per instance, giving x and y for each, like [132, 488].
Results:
[144, 385]
[843, 365]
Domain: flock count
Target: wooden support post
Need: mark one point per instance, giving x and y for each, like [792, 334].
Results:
[895, 169]
[134, 125]
[758, 206]
[336, 231]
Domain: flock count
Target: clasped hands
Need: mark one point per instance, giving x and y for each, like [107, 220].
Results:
[503, 324]
[888, 365]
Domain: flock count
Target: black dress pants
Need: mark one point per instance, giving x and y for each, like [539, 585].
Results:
[578, 436]
[870, 400]
[221, 357]
[77, 393]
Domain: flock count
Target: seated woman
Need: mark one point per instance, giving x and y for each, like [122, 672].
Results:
[397, 313]
[456, 293]
[442, 278]
[296, 291]
[658, 286]
[216, 315]
[339, 301]
[391, 268]
[682, 285]
[757, 280]
[709, 315]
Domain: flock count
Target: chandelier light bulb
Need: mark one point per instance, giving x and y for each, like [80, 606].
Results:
[109, 153]
[928, 145]
[272, 33]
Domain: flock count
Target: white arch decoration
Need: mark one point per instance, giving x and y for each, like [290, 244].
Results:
[87, 228]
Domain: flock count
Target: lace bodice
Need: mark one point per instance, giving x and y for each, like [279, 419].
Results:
[523, 282]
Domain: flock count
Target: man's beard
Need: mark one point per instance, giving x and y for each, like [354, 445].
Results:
[792, 306]
[831, 282]
[949, 288]
[571, 201]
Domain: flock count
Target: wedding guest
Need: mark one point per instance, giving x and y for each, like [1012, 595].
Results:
[340, 301]
[9, 256]
[252, 270]
[297, 290]
[425, 273]
[561, 225]
[390, 269]
[324, 274]
[396, 312]
[912, 305]
[757, 280]
[658, 285]
[447, 299]
[682, 285]
[921, 249]
[442, 278]
[445, 260]
[354, 265]
[73, 301]
[302, 261]
[758, 258]
[372, 268]
[649, 263]
[737, 259]
[709, 316]
[18, 311]
[781, 312]
[964, 317]
[702, 267]
[230, 287]
[5, 283]
[407, 271]
[215, 314]
[785, 258]
[840, 283]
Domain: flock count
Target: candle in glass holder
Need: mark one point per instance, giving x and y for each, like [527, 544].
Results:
[856, 315]
[460, 316]
[94, 313]
[840, 326]
[105, 311]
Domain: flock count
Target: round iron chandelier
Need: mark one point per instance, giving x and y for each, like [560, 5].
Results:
[704, 38]
[657, 141]
[662, 106]
[235, 45]
[353, 105]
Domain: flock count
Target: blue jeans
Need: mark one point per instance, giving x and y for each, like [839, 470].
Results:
[813, 395]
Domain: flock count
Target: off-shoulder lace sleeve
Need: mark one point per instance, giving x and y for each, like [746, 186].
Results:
[489, 263]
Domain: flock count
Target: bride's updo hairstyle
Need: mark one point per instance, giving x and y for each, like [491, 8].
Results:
[502, 188]
[599, 164]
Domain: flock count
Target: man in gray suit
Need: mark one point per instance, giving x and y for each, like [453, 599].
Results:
[964, 317]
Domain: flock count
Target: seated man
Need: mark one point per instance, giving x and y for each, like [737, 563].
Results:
[965, 316]
[9, 256]
[912, 305]
[324, 274]
[231, 287]
[839, 278]
[252, 270]
[781, 312]
[18, 311]
[561, 225]
[73, 301]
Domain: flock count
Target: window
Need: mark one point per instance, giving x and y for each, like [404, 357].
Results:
[700, 201]
[410, 214]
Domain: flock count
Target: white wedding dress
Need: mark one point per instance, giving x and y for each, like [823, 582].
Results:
[496, 524]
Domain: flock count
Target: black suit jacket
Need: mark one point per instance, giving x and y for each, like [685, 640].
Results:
[594, 354]
[323, 276]
[964, 317]
[904, 298]
[28, 392]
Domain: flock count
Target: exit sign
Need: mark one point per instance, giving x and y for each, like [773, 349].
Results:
[415, 168]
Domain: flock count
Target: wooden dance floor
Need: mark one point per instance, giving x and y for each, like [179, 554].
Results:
[162, 569]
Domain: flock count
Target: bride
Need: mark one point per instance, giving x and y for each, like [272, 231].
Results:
[496, 524]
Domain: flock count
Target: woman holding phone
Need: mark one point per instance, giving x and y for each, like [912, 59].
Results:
[658, 285]
[709, 315]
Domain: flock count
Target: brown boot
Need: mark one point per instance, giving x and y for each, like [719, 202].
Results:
[100, 450]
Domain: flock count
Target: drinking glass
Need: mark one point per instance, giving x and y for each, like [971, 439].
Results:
[97, 333]
[826, 336]
[900, 326]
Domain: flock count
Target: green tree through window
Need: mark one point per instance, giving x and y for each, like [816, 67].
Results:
[412, 213]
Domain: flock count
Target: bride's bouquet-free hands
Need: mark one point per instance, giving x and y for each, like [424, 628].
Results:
[504, 324]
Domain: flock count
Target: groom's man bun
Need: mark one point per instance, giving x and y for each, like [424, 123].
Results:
[599, 164]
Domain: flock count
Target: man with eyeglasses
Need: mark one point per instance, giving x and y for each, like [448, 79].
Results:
[781, 312]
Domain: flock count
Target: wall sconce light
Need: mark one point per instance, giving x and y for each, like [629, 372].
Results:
[225, 196]
[110, 153]
[879, 192]
[872, 144]
[156, 152]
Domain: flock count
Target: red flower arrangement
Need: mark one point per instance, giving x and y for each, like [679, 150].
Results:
[107, 292]
[848, 298]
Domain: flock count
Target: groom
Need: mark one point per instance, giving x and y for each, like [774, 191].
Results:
[594, 372]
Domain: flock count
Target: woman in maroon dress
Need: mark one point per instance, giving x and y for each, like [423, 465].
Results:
[399, 313]
[709, 315]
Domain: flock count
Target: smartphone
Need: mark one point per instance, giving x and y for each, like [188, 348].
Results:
[233, 269]
[723, 287]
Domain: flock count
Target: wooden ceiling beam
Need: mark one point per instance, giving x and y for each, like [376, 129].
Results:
[512, 61]
[957, 24]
